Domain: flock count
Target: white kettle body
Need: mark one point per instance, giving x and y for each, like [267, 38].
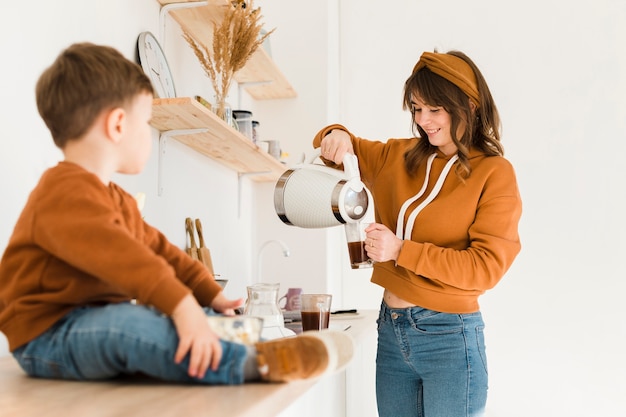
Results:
[317, 196]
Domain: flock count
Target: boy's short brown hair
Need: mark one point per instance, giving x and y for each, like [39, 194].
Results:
[84, 80]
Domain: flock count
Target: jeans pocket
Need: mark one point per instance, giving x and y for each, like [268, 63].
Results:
[438, 324]
[480, 341]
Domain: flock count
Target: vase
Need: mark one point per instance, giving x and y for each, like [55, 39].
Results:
[224, 111]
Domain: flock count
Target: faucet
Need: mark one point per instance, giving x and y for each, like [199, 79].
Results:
[260, 255]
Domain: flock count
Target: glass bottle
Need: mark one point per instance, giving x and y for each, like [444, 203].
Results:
[256, 135]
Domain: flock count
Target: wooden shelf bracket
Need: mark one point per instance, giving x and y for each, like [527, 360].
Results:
[240, 176]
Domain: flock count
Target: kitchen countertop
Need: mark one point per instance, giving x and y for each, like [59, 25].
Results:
[21, 396]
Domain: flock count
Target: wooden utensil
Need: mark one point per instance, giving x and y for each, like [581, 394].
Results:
[192, 250]
[204, 255]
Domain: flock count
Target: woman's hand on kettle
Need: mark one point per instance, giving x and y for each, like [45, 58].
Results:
[382, 244]
[335, 145]
[224, 305]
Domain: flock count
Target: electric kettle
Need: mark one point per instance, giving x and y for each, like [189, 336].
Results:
[316, 196]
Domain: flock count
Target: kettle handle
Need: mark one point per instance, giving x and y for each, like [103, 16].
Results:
[316, 155]
[350, 168]
[350, 164]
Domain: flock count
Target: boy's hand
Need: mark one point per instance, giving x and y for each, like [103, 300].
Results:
[223, 305]
[196, 338]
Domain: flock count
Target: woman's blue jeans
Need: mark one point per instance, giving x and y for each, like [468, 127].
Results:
[430, 364]
[103, 342]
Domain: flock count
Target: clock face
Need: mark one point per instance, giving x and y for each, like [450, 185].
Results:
[155, 65]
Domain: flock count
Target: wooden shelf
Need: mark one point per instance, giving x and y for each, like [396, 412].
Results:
[220, 142]
[265, 80]
[260, 77]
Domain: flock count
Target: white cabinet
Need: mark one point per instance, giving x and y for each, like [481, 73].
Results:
[351, 393]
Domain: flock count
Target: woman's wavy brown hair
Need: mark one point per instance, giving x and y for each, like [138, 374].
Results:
[482, 125]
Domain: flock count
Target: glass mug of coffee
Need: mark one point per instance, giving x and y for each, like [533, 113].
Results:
[315, 311]
[355, 235]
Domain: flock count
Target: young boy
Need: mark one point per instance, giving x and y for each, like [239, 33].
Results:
[80, 252]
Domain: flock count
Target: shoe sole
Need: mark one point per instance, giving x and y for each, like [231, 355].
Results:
[340, 344]
[282, 360]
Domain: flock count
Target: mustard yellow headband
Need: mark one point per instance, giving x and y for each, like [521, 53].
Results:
[453, 69]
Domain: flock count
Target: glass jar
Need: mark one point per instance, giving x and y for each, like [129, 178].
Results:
[256, 134]
[224, 111]
[243, 118]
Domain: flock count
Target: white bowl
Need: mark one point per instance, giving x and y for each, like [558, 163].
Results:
[245, 330]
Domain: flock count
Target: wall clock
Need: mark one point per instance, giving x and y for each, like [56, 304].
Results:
[154, 64]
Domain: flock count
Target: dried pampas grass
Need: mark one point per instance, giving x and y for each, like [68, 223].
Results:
[235, 39]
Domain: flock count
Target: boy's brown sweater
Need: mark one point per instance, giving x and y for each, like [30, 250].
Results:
[79, 242]
[462, 242]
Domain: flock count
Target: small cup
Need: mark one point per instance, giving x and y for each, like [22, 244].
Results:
[292, 299]
[355, 235]
[274, 148]
[315, 311]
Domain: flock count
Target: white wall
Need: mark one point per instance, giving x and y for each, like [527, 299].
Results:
[555, 327]
[554, 324]
[32, 35]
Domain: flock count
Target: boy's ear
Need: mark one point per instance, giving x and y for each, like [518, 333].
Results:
[114, 124]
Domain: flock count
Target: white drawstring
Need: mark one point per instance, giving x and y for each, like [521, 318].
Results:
[410, 201]
[434, 192]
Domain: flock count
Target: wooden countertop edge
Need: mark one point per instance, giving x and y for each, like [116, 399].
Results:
[21, 396]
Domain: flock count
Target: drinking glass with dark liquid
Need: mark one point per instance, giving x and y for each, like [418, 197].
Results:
[315, 311]
[355, 235]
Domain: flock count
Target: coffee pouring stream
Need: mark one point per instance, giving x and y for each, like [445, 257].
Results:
[316, 196]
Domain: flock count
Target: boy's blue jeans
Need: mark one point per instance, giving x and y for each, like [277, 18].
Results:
[103, 342]
[430, 364]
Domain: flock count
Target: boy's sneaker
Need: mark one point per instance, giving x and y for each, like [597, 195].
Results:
[309, 355]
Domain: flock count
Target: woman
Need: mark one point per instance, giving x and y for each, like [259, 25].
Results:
[447, 209]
